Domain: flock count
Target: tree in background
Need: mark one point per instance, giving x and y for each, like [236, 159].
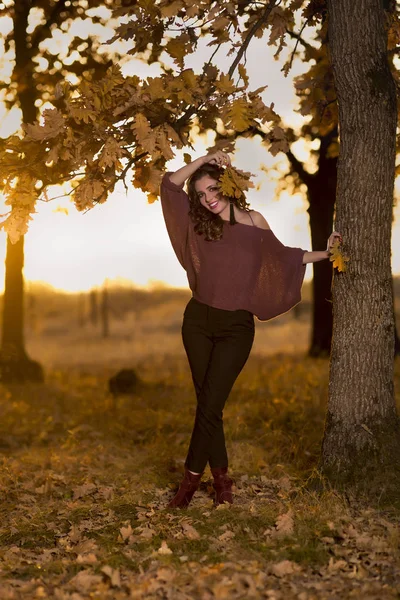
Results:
[46, 42]
[120, 126]
[317, 94]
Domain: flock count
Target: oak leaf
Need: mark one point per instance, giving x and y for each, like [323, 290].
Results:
[171, 9]
[53, 125]
[240, 115]
[225, 84]
[337, 258]
[284, 524]
[234, 182]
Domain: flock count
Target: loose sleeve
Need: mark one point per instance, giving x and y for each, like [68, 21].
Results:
[280, 278]
[175, 207]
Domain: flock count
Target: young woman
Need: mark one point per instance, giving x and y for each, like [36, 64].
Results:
[236, 269]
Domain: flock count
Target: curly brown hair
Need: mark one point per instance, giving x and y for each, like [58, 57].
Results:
[205, 222]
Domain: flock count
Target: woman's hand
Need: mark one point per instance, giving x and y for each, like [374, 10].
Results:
[219, 158]
[332, 239]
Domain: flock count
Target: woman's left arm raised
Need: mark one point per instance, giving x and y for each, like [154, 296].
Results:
[312, 257]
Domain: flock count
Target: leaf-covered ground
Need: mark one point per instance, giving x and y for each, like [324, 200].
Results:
[85, 480]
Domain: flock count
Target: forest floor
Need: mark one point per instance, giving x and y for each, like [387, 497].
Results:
[85, 480]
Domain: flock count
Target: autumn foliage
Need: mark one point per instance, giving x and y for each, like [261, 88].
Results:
[121, 127]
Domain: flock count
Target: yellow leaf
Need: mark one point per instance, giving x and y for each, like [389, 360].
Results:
[234, 182]
[87, 194]
[151, 198]
[278, 141]
[220, 23]
[189, 78]
[239, 114]
[82, 114]
[163, 143]
[144, 133]
[61, 209]
[337, 258]
[155, 87]
[171, 9]
[187, 158]
[225, 84]
[110, 154]
[172, 135]
[179, 47]
[53, 125]
[16, 224]
[243, 74]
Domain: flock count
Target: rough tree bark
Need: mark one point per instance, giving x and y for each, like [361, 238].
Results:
[15, 365]
[362, 435]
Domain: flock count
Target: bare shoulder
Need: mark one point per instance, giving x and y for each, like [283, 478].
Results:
[259, 220]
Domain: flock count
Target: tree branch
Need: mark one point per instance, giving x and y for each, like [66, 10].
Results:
[42, 31]
[297, 36]
[298, 167]
[253, 30]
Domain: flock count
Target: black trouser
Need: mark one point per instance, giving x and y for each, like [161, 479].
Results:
[217, 344]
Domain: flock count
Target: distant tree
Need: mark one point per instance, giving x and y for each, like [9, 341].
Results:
[317, 94]
[120, 126]
[37, 69]
[94, 309]
[105, 311]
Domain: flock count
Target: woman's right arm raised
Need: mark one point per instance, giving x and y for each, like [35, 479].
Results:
[180, 176]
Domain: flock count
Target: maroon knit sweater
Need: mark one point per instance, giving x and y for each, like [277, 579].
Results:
[249, 268]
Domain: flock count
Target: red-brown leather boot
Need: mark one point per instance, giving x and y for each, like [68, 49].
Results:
[188, 486]
[222, 485]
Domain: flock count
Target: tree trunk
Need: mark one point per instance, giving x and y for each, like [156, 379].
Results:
[362, 434]
[322, 196]
[15, 366]
[105, 313]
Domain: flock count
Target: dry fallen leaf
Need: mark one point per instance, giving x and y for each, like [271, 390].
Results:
[285, 567]
[86, 558]
[284, 524]
[83, 490]
[163, 549]
[228, 535]
[147, 533]
[113, 574]
[126, 532]
[190, 532]
[84, 580]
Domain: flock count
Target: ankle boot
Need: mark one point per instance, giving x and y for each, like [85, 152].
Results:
[188, 486]
[222, 485]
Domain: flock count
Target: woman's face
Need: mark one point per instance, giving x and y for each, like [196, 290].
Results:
[209, 195]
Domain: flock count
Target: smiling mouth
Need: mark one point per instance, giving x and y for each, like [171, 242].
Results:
[213, 204]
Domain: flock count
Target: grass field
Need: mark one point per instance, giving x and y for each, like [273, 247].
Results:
[85, 477]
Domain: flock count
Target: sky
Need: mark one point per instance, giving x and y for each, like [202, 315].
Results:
[126, 238]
